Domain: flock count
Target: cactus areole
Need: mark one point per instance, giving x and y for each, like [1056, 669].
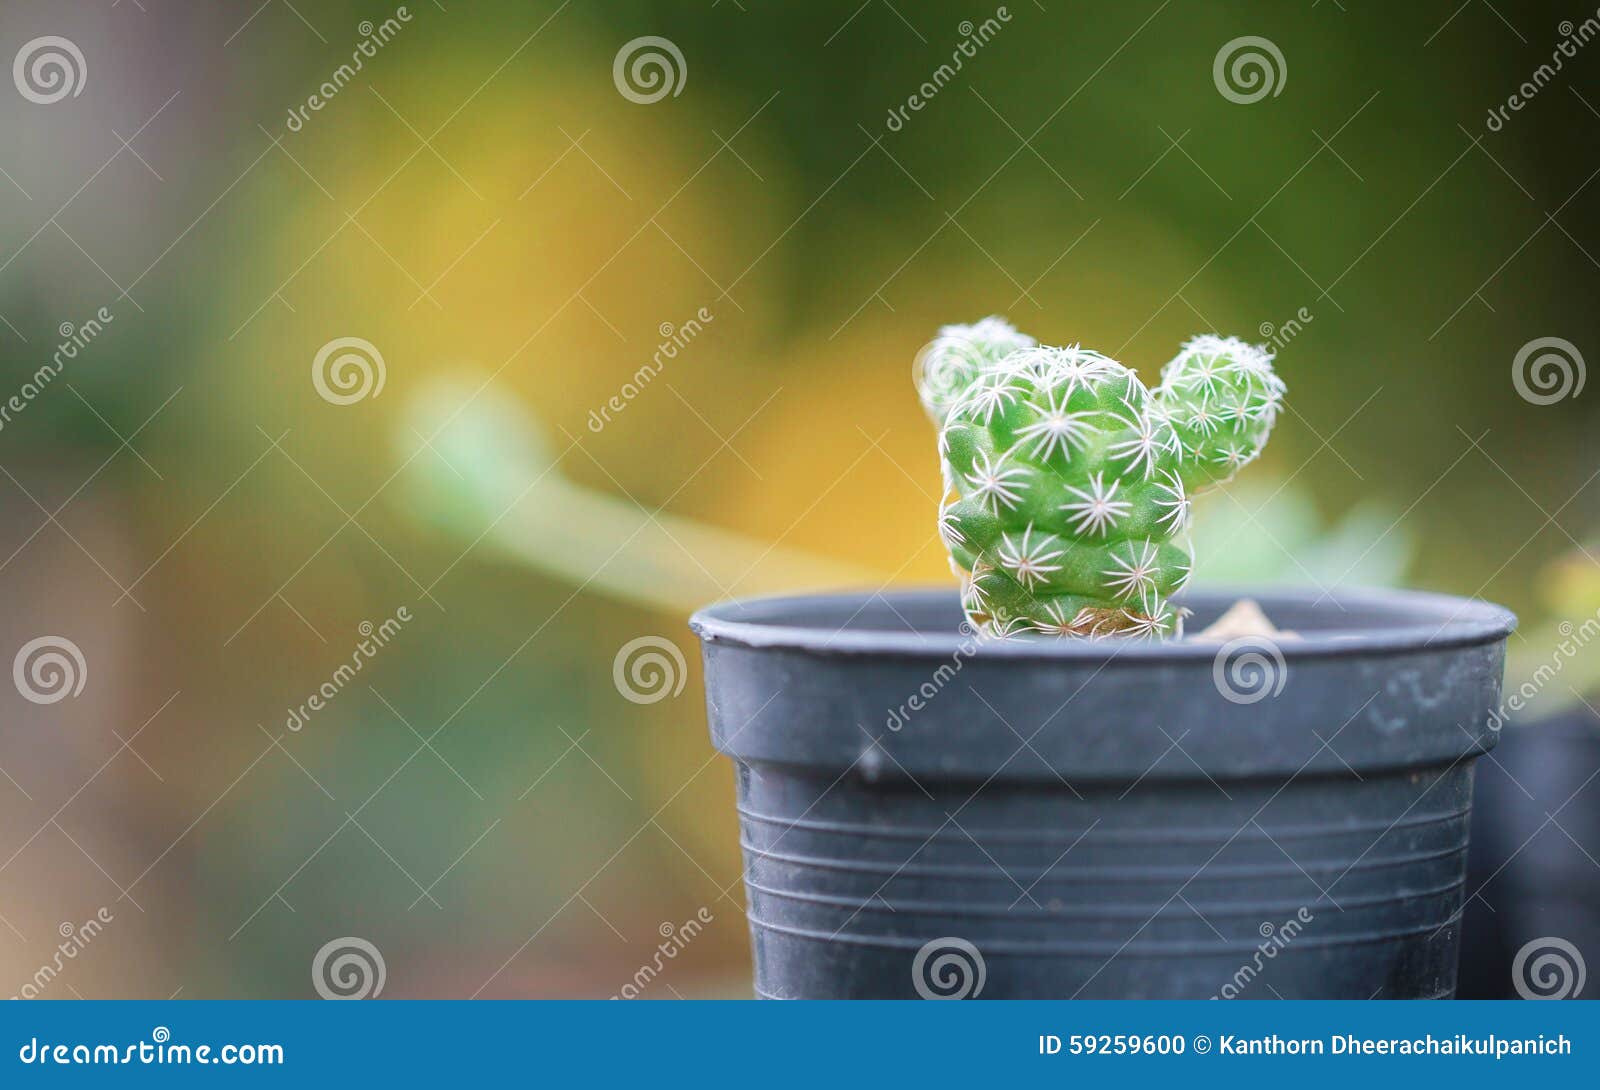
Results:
[1068, 482]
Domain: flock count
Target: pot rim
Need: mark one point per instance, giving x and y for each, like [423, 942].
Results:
[1411, 621]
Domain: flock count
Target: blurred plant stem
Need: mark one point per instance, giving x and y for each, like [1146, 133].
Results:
[496, 480]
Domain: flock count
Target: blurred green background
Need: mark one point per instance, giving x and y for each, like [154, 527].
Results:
[516, 238]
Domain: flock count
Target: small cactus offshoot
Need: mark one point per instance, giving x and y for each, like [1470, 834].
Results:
[1068, 482]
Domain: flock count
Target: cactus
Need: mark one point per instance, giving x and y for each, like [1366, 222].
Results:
[1068, 482]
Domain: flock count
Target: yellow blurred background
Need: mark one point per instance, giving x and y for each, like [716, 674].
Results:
[513, 236]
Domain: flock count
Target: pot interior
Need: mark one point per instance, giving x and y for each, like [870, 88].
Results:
[920, 621]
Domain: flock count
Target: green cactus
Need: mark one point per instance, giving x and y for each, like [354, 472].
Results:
[1068, 482]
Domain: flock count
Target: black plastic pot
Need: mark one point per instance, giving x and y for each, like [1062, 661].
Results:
[922, 815]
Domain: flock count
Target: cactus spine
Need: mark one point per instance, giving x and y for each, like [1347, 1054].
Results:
[1068, 482]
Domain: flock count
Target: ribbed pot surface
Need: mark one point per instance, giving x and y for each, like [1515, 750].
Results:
[1103, 820]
